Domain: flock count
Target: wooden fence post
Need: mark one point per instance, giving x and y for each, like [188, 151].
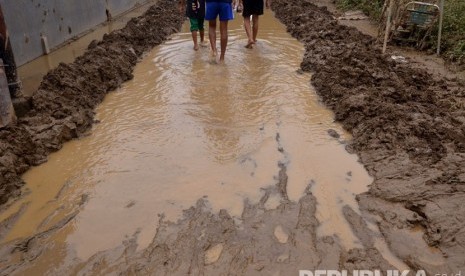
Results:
[388, 26]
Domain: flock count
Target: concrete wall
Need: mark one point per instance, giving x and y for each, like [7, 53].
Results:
[57, 20]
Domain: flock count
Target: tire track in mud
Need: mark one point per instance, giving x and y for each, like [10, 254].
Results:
[63, 106]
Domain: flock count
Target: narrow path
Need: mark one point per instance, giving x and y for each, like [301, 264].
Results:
[245, 149]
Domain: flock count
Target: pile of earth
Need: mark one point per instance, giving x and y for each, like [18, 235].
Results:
[63, 106]
[408, 129]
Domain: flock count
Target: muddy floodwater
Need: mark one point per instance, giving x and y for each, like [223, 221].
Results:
[187, 128]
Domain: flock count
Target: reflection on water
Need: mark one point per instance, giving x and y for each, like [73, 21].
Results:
[185, 128]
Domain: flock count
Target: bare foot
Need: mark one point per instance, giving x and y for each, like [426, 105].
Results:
[249, 45]
[196, 47]
[213, 55]
[203, 44]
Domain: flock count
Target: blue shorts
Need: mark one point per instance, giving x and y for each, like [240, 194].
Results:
[224, 10]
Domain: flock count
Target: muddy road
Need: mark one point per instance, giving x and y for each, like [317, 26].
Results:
[237, 169]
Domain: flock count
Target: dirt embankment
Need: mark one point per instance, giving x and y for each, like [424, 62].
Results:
[408, 128]
[62, 107]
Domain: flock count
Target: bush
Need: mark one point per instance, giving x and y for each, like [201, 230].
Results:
[454, 30]
[453, 42]
[372, 8]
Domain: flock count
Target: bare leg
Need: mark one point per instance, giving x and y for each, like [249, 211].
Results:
[202, 36]
[212, 35]
[248, 31]
[255, 27]
[224, 38]
[194, 38]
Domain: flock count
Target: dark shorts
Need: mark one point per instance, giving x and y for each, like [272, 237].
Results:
[196, 24]
[221, 9]
[252, 7]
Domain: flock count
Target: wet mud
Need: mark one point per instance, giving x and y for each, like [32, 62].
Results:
[262, 241]
[408, 129]
[63, 106]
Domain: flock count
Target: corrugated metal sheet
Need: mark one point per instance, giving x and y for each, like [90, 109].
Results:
[57, 20]
[6, 54]
[7, 114]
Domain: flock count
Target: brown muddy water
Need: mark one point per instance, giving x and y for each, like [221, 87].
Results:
[186, 128]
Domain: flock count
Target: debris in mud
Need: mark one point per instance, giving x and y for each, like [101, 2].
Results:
[333, 133]
[399, 59]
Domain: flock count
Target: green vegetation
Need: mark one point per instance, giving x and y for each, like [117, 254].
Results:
[372, 8]
[453, 43]
[454, 30]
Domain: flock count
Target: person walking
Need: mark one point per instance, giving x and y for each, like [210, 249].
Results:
[195, 10]
[222, 9]
[252, 9]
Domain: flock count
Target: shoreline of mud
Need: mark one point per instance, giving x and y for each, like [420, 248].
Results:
[63, 106]
[408, 130]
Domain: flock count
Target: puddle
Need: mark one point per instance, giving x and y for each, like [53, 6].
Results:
[184, 129]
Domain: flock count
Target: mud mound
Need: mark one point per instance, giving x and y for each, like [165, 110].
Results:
[408, 128]
[62, 107]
